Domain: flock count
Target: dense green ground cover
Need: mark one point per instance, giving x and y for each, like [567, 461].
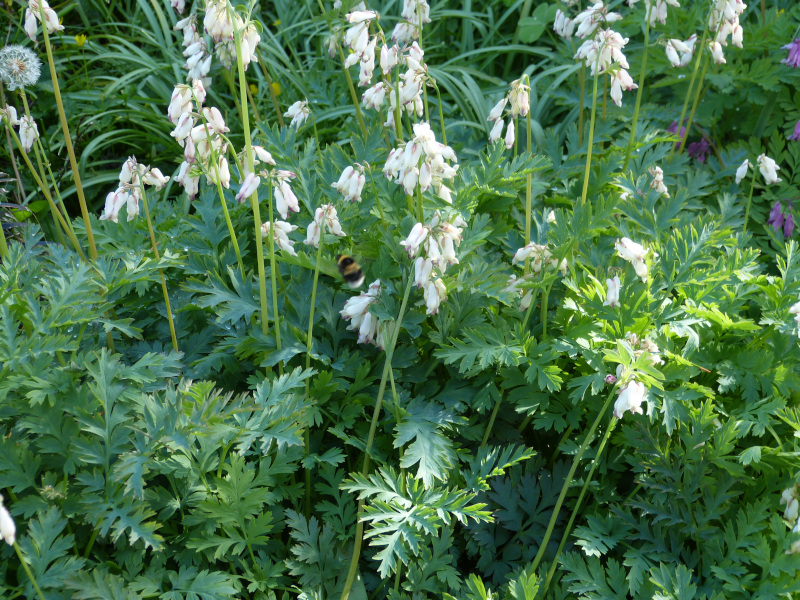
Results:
[578, 378]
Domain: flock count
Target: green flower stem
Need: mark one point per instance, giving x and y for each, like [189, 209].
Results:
[76, 176]
[353, 95]
[160, 272]
[700, 52]
[695, 103]
[351, 573]
[11, 151]
[591, 136]
[420, 211]
[308, 356]
[425, 103]
[493, 416]
[528, 183]
[28, 572]
[576, 508]
[638, 95]
[273, 269]
[749, 200]
[441, 113]
[543, 318]
[528, 312]
[218, 181]
[248, 150]
[568, 481]
[46, 192]
[582, 81]
[272, 93]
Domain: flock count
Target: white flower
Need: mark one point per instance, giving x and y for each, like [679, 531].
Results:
[155, 178]
[658, 180]
[659, 11]
[589, 19]
[373, 98]
[715, 48]
[10, 113]
[351, 183]
[249, 185]
[630, 399]
[215, 121]
[769, 169]
[601, 52]
[686, 57]
[612, 293]
[8, 531]
[741, 172]
[789, 497]
[356, 310]
[324, 217]
[403, 163]
[414, 240]
[434, 293]
[497, 112]
[673, 48]
[33, 14]
[621, 80]
[280, 235]
[635, 254]
[285, 200]
[496, 132]
[509, 139]
[263, 156]
[422, 271]
[114, 202]
[794, 309]
[519, 96]
[298, 113]
[180, 103]
[28, 132]
[563, 26]
[190, 184]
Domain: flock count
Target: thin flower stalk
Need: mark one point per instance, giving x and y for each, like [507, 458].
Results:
[749, 200]
[351, 573]
[700, 55]
[695, 103]
[273, 268]
[248, 150]
[557, 508]
[73, 163]
[528, 180]
[638, 103]
[591, 139]
[576, 508]
[160, 271]
[582, 79]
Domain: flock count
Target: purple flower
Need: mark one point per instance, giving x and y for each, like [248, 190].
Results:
[698, 150]
[788, 225]
[776, 216]
[793, 60]
[795, 137]
[673, 128]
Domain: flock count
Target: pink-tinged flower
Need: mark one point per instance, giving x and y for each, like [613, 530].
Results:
[699, 150]
[776, 216]
[793, 60]
[434, 293]
[28, 133]
[114, 202]
[10, 113]
[280, 235]
[795, 137]
[630, 399]
[414, 240]
[215, 121]
[249, 185]
[788, 225]
[509, 139]
[612, 292]
[741, 172]
[610, 379]
[285, 200]
[621, 80]
[673, 128]
[356, 310]
[351, 183]
[298, 113]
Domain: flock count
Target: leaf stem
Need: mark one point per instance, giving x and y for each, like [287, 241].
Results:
[351, 573]
[28, 572]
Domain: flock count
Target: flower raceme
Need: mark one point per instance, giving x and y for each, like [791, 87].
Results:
[33, 14]
[280, 233]
[133, 177]
[540, 257]
[421, 162]
[415, 13]
[298, 113]
[325, 218]
[769, 169]
[351, 183]
[356, 310]
[519, 101]
[591, 18]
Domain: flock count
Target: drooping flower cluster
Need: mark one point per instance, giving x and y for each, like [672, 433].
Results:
[633, 253]
[438, 241]
[680, 53]
[280, 234]
[779, 219]
[415, 14]
[218, 25]
[19, 67]
[631, 397]
[198, 58]
[563, 25]
[28, 131]
[591, 18]
[8, 531]
[132, 178]
[519, 97]
[351, 183]
[657, 13]
[298, 113]
[204, 145]
[325, 219]
[602, 54]
[285, 200]
[356, 310]
[33, 14]
[769, 169]
[540, 257]
[513, 287]
[421, 162]
[358, 40]
[723, 21]
[657, 183]
[632, 392]
[793, 60]
[612, 292]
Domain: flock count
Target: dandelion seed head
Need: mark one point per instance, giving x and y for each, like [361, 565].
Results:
[19, 67]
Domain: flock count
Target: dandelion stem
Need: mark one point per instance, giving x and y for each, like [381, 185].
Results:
[638, 95]
[351, 573]
[591, 136]
[28, 572]
[749, 200]
[543, 545]
[160, 271]
[695, 103]
[576, 508]
[73, 163]
[308, 355]
[248, 150]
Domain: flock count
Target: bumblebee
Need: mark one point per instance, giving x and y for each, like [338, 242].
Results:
[350, 270]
